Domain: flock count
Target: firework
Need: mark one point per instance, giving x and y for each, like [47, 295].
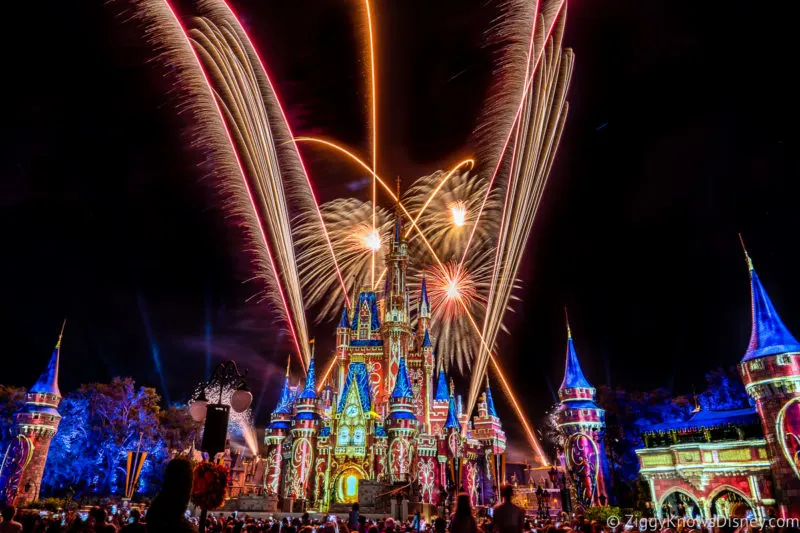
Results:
[537, 135]
[449, 212]
[349, 223]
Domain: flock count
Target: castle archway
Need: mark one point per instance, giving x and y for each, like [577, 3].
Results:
[677, 502]
[727, 502]
[345, 486]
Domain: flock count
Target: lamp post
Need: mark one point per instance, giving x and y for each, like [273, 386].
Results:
[216, 415]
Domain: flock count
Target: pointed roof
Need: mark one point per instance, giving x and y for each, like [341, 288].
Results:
[424, 303]
[285, 399]
[573, 373]
[402, 387]
[452, 418]
[768, 336]
[310, 388]
[442, 394]
[357, 376]
[426, 341]
[489, 400]
[344, 321]
[367, 297]
[48, 381]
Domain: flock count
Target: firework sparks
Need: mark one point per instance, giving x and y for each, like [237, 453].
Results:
[447, 208]
[349, 223]
[538, 132]
[459, 211]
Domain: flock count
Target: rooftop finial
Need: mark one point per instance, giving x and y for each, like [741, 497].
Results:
[566, 319]
[61, 335]
[746, 255]
[288, 364]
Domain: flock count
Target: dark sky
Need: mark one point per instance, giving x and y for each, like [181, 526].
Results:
[682, 132]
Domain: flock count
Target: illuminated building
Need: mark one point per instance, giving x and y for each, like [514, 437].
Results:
[582, 423]
[728, 463]
[35, 424]
[385, 416]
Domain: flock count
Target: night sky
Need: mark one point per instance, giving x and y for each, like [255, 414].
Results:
[681, 133]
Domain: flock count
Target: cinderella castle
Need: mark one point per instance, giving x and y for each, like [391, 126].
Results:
[386, 419]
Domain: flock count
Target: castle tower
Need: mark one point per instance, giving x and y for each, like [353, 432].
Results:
[488, 431]
[582, 422]
[35, 424]
[440, 404]
[279, 425]
[342, 342]
[770, 370]
[304, 431]
[397, 320]
[402, 427]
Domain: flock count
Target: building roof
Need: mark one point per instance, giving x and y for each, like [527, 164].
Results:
[344, 321]
[708, 418]
[357, 376]
[310, 388]
[369, 298]
[48, 381]
[426, 341]
[442, 394]
[573, 373]
[285, 400]
[768, 335]
[452, 417]
[424, 303]
[402, 387]
[489, 400]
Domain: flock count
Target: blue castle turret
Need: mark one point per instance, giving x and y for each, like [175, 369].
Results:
[770, 370]
[582, 422]
[768, 336]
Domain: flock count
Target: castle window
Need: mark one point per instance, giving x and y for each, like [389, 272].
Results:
[784, 359]
[756, 364]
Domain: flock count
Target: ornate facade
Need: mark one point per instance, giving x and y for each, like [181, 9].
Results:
[385, 415]
[582, 423]
[728, 463]
[34, 427]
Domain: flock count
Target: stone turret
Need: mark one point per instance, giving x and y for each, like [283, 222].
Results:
[770, 370]
[35, 424]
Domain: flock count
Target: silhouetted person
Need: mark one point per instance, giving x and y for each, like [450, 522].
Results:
[462, 520]
[134, 524]
[508, 518]
[10, 525]
[167, 514]
[98, 521]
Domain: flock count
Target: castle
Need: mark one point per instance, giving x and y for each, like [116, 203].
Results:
[34, 427]
[385, 418]
[718, 463]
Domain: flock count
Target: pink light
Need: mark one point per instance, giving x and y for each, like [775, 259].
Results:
[299, 157]
[244, 179]
[513, 124]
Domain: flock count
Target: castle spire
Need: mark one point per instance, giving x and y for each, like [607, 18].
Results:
[452, 417]
[402, 387]
[344, 322]
[285, 399]
[310, 388]
[573, 374]
[768, 336]
[398, 217]
[426, 341]
[442, 394]
[489, 400]
[424, 303]
[48, 381]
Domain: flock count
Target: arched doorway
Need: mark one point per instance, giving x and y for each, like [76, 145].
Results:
[728, 503]
[345, 488]
[680, 504]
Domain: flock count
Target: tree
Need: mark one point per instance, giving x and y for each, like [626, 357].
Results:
[101, 423]
[11, 400]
